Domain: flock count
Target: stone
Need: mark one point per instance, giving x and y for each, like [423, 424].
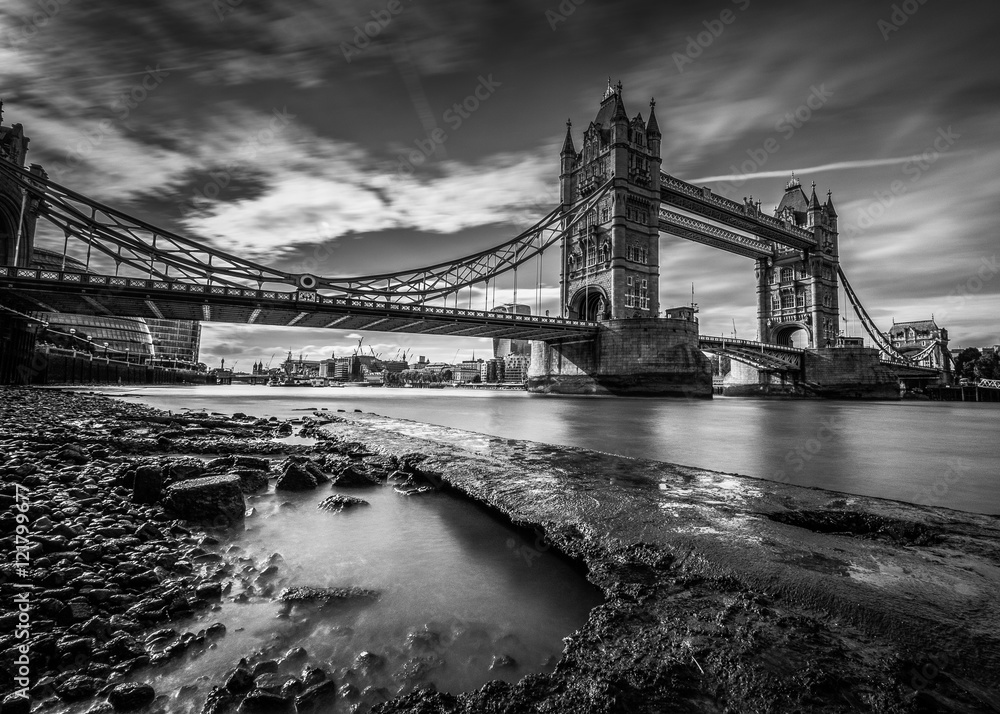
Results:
[265, 702]
[14, 704]
[295, 478]
[217, 500]
[350, 477]
[326, 595]
[503, 662]
[251, 480]
[78, 687]
[339, 502]
[148, 484]
[130, 696]
[240, 681]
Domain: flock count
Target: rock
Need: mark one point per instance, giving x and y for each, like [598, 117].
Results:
[349, 477]
[251, 480]
[258, 701]
[367, 662]
[317, 697]
[256, 463]
[338, 502]
[326, 595]
[148, 484]
[130, 696]
[295, 478]
[503, 662]
[78, 687]
[272, 682]
[14, 704]
[212, 499]
[183, 470]
[209, 591]
[312, 676]
[267, 666]
[240, 681]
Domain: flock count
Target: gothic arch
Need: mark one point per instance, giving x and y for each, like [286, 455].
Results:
[9, 214]
[785, 332]
[587, 303]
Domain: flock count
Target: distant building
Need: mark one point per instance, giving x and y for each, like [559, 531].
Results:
[491, 370]
[516, 368]
[176, 340]
[467, 371]
[921, 339]
[421, 363]
[502, 348]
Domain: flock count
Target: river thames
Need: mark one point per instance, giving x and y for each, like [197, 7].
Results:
[933, 453]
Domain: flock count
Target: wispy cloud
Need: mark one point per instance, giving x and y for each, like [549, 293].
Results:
[838, 166]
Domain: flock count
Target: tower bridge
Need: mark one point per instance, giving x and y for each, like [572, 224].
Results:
[615, 201]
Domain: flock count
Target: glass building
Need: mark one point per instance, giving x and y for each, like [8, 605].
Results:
[126, 337]
[176, 340]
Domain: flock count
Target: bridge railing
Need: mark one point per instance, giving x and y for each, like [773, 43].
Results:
[678, 219]
[734, 342]
[733, 206]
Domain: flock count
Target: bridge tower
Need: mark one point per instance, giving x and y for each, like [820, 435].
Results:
[797, 292]
[610, 267]
[18, 211]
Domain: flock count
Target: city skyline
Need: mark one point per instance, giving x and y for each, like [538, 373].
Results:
[362, 138]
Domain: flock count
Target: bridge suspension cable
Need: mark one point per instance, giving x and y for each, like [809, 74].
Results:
[162, 254]
[889, 352]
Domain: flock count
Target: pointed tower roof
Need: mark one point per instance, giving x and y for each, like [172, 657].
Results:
[795, 199]
[831, 211]
[612, 107]
[813, 201]
[568, 147]
[652, 128]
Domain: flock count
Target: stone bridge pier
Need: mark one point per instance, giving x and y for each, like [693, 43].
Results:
[832, 372]
[651, 357]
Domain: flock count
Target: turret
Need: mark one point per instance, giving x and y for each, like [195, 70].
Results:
[814, 214]
[831, 212]
[567, 159]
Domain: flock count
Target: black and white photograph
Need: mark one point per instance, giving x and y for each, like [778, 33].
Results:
[481, 357]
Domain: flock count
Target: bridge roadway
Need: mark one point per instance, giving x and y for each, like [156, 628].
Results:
[31, 290]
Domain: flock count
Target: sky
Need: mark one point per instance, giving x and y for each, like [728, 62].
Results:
[299, 133]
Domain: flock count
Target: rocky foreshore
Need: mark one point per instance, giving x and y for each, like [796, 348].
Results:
[723, 593]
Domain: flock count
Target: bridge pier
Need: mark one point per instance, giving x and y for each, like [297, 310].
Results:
[831, 373]
[649, 357]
